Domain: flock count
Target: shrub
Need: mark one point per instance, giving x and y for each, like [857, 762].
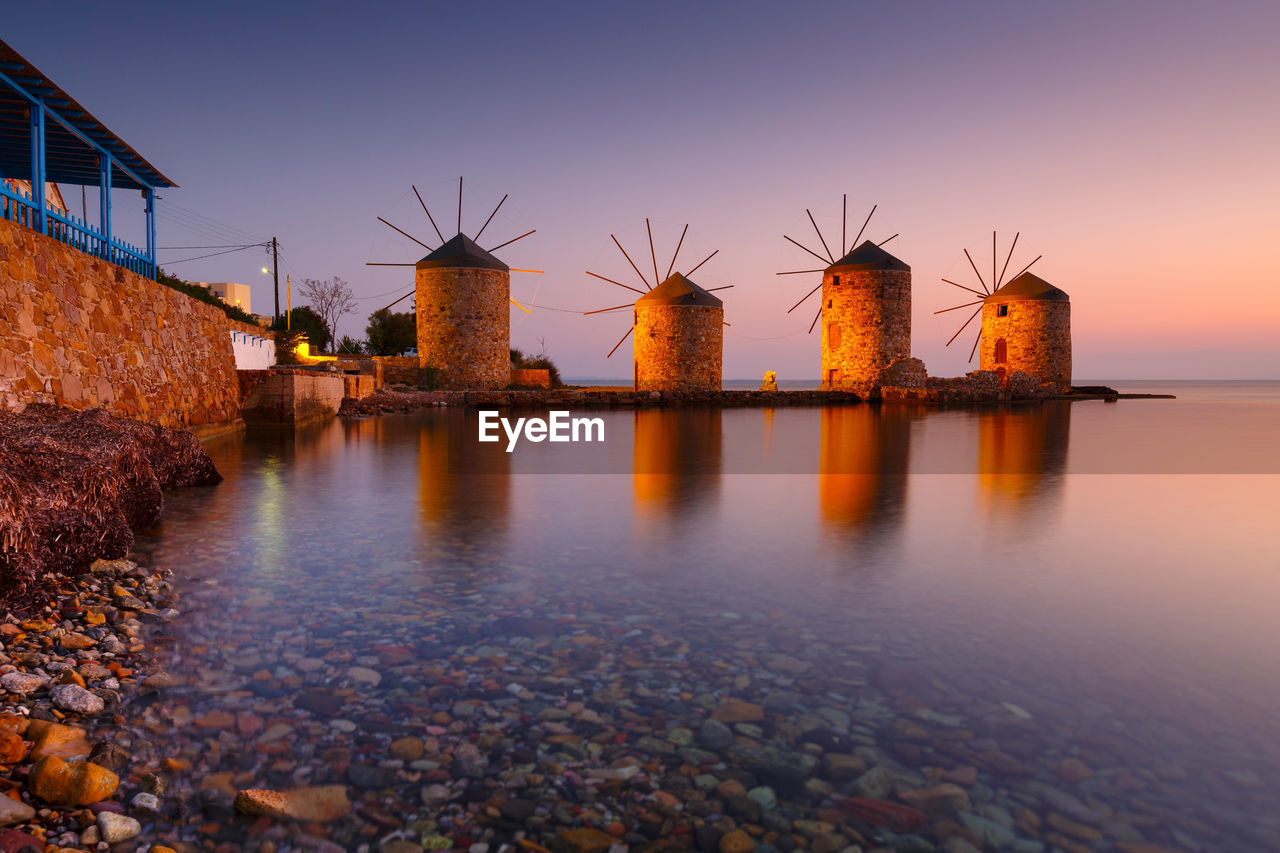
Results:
[541, 361]
[392, 332]
[350, 346]
[304, 319]
[204, 294]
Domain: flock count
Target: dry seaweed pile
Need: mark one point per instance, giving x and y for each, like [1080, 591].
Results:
[74, 485]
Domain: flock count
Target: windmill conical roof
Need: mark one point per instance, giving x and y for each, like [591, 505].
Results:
[869, 257]
[462, 251]
[678, 290]
[1028, 287]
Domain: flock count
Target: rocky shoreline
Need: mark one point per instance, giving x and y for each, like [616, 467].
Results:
[66, 672]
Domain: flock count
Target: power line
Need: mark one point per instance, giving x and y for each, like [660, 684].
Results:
[223, 246]
[212, 254]
[244, 235]
[197, 226]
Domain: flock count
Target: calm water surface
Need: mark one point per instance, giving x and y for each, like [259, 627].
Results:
[1079, 601]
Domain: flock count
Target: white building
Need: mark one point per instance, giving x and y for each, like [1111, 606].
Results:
[231, 292]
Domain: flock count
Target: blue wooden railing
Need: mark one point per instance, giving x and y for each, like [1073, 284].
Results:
[17, 206]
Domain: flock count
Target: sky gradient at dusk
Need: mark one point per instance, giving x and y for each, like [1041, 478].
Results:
[1132, 144]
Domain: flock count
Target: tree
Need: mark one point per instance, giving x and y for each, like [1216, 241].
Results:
[390, 332]
[350, 346]
[304, 319]
[331, 299]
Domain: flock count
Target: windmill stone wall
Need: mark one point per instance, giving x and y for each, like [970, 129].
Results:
[678, 347]
[464, 326]
[866, 317]
[1035, 329]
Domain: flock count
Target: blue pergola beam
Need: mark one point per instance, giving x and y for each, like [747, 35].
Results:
[45, 100]
[37, 164]
[82, 134]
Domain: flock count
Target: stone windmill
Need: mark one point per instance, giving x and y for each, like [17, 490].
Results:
[865, 309]
[461, 294]
[678, 326]
[1025, 326]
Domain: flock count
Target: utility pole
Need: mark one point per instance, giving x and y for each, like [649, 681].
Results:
[275, 272]
[288, 303]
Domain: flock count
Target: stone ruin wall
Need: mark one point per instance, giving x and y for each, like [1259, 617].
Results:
[464, 326]
[872, 310]
[81, 332]
[678, 347]
[1037, 334]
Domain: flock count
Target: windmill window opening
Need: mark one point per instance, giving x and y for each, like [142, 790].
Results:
[830, 302]
[1002, 351]
[1002, 311]
[835, 279]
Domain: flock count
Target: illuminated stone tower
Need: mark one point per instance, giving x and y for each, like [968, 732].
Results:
[464, 321]
[1026, 326]
[866, 316]
[679, 338]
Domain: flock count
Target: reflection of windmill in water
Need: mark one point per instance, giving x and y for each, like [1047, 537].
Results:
[1022, 455]
[1026, 322]
[863, 456]
[676, 459]
[865, 308]
[678, 326]
[462, 295]
[464, 486]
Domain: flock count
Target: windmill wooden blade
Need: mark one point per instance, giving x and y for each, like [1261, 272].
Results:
[958, 307]
[820, 238]
[619, 343]
[515, 269]
[512, 240]
[975, 271]
[962, 287]
[797, 272]
[405, 233]
[807, 249]
[490, 219]
[672, 265]
[428, 213]
[703, 261]
[806, 296]
[1005, 268]
[815, 320]
[844, 217]
[962, 328]
[459, 204]
[652, 253]
[633, 263]
[863, 228]
[384, 264]
[1027, 267]
[885, 240]
[993, 262]
[602, 310]
[518, 305]
[611, 281]
[402, 298]
[721, 287]
[975, 345]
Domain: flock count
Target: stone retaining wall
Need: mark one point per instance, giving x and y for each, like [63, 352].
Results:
[291, 396]
[539, 377]
[81, 332]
